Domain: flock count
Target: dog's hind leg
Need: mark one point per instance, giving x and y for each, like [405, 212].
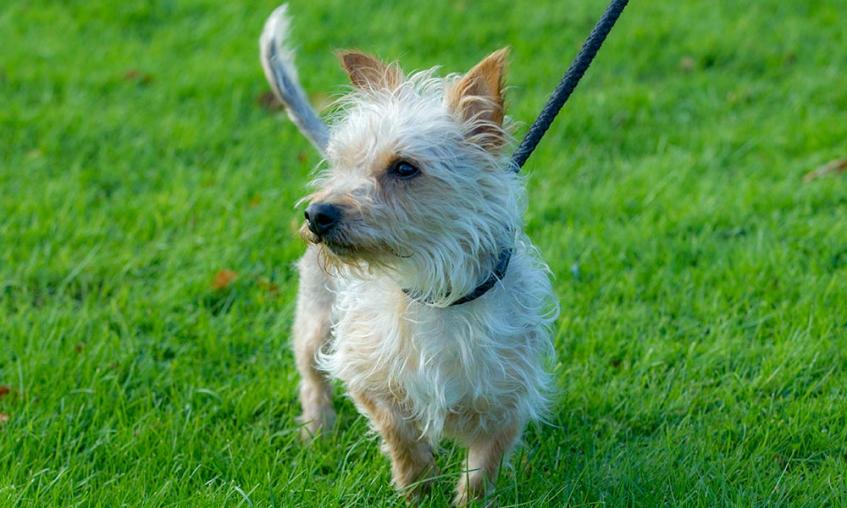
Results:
[312, 329]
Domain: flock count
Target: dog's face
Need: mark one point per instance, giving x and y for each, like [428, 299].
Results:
[417, 185]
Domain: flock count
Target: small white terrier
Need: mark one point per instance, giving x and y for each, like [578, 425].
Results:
[419, 290]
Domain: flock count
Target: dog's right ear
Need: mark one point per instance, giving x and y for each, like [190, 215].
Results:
[477, 98]
[368, 72]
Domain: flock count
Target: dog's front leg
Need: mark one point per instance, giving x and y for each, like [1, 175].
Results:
[412, 463]
[312, 325]
[485, 455]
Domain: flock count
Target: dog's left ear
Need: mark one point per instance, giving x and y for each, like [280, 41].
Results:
[477, 98]
[369, 72]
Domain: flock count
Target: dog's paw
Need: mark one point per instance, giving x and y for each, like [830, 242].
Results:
[473, 489]
[420, 489]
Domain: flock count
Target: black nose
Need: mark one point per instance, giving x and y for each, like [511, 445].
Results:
[322, 217]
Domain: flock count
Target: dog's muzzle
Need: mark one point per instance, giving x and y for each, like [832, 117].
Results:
[322, 218]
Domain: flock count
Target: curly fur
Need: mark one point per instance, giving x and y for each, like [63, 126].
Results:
[476, 372]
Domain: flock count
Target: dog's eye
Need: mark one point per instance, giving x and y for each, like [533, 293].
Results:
[404, 170]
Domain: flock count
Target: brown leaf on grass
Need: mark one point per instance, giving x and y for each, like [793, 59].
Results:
[269, 102]
[687, 64]
[832, 167]
[79, 347]
[4, 417]
[223, 279]
[255, 200]
[4, 390]
[142, 78]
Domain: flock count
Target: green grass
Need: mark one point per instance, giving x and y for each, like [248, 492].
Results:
[703, 338]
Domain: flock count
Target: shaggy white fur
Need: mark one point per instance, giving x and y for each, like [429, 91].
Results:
[474, 372]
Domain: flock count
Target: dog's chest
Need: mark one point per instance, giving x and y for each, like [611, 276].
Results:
[423, 358]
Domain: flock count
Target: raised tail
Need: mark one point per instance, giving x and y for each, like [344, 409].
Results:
[278, 63]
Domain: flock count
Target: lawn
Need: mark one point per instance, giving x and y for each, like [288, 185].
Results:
[147, 235]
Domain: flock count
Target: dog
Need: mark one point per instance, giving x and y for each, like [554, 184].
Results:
[419, 290]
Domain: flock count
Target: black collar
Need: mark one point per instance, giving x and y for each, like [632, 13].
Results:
[497, 274]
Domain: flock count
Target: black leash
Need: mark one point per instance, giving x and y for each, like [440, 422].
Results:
[554, 104]
[568, 83]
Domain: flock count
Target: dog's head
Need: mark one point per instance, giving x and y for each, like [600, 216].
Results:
[418, 185]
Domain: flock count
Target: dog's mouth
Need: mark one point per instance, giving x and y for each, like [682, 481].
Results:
[332, 242]
[339, 246]
[340, 249]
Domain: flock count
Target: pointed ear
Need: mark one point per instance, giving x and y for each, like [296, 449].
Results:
[478, 98]
[368, 72]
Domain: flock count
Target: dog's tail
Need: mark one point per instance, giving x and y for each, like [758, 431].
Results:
[278, 63]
